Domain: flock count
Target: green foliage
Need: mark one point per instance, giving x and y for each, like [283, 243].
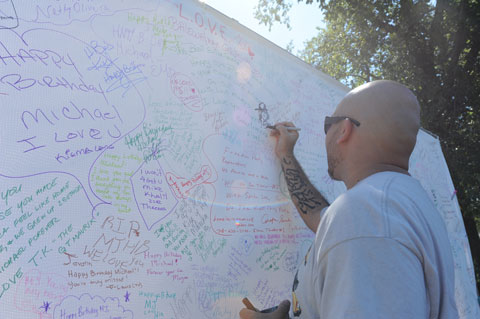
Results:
[430, 46]
[268, 12]
[290, 46]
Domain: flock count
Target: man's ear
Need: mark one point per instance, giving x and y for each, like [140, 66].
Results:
[345, 131]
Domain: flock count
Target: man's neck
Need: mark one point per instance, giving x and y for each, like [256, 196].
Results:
[360, 174]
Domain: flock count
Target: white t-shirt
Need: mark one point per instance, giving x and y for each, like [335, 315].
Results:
[381, 251]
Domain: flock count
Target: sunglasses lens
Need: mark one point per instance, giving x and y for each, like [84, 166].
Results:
[329, 121]
[326, 127]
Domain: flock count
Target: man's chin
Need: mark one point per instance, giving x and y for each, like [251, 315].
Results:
[332, 175]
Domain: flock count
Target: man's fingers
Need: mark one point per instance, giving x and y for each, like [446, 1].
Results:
[247, 314]
[282, 129]
[274, 132]
[285, 139]
[283, 307]
[285, 124]
[280, 313]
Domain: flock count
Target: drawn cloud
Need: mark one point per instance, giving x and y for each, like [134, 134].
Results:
[91, 306]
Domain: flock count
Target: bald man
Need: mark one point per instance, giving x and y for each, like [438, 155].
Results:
[381, 249]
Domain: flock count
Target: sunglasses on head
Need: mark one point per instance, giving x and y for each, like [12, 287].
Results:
[330, 120]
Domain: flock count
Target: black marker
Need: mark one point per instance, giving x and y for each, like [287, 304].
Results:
[289, 128]
[269, 310]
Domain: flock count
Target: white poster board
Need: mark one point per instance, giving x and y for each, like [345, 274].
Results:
[137, 178]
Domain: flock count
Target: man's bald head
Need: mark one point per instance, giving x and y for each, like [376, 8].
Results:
[389, 117]
[389, 114]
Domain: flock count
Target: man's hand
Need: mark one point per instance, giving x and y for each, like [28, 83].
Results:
[285, 139]
[280, 313]
[306, 198]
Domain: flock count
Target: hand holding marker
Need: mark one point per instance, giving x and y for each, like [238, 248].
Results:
[289, 128]
[249, 305]
[264, 116]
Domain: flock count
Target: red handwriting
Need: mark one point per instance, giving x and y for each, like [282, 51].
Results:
[185, 90]
[202, 23]
[181, 186]
[266, 219]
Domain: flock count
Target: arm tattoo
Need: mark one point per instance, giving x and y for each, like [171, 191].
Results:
[300, 188]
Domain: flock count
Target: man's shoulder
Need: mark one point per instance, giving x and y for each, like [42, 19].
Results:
[375, 207]
[379, 192]
[366, 200]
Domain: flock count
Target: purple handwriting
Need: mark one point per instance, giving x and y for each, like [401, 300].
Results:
[65, 12]
[46, 306]
[95, 51]
[88, 306]
[12, 21]
[119, 78]
[20, 83]
[45, 57]
[69, 154]
[93, 133]
[71, 112]
[31, 144]
[68, 112]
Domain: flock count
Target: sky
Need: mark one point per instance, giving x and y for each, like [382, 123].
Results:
[303, 20]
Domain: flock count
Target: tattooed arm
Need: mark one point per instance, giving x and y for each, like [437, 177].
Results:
[306, 198]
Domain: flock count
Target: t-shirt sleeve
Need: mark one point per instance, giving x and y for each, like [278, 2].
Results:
[370, 278]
